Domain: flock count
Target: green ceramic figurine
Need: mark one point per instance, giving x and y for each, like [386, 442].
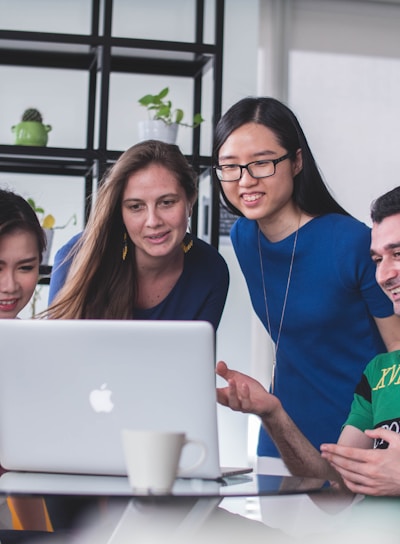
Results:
[31, 130]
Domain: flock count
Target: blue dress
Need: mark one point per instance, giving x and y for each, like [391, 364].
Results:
[328, 334]
[199, 293]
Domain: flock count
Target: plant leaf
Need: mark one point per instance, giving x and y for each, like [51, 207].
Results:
[146, 100]
[197, 119]
[164, 111]
[162, 94]
[178, 115]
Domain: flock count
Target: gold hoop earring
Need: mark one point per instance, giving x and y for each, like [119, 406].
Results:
[125, 246]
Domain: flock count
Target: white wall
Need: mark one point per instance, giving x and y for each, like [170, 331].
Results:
[344, 82]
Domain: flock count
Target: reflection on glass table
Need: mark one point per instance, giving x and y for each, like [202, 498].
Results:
[246, 485]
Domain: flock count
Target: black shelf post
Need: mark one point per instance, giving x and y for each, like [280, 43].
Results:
[218, 60]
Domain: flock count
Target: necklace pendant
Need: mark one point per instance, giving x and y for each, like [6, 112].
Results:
[273, 376]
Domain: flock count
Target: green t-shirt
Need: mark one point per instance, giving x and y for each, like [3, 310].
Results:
[376, 400]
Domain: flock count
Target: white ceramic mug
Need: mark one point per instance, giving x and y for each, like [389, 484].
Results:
[152, 459]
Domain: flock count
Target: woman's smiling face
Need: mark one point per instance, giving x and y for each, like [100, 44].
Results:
[155, 211]
[261, 198]
[19, 271]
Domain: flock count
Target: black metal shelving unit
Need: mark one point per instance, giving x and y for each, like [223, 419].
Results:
[100, 54]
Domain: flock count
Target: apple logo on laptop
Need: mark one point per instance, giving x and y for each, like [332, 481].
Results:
[100, 399]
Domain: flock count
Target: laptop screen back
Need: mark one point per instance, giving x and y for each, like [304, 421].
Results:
[68, 387]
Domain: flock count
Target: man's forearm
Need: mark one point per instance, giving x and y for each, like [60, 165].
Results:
[245, 394]
[299, 455]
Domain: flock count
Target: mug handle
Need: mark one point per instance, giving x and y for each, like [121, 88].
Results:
[182, 471]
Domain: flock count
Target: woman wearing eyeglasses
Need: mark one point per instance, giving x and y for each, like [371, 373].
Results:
[307, 267]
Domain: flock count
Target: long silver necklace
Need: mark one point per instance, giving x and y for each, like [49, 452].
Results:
[276, 346]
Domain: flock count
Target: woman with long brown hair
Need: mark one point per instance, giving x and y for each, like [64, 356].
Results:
[135, 258]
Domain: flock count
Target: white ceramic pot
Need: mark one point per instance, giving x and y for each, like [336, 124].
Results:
[158, 130]
[46, 254]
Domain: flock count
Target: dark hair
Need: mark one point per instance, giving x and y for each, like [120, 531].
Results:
[149, 152]
[386, 205]
[310, 192]
[100, 284]
[17, 214]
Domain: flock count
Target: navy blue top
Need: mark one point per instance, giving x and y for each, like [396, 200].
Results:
[199, 294]
[328, 332]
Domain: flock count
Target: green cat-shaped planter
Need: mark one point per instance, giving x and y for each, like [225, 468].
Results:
[31, 130]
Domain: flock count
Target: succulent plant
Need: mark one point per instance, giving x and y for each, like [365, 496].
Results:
[32, 114]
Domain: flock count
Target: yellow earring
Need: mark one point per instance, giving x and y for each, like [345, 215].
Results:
[125, 247]
[187, 243]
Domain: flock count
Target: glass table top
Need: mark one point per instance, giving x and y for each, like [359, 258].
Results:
[246, 485]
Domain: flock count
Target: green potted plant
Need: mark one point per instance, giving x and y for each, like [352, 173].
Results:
[31, 130]
[164, 118]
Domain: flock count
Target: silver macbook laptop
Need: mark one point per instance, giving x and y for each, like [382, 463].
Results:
[68, 387]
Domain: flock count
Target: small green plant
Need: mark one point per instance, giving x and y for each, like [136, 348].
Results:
[32, 114]
[47, 220]
[162, 109]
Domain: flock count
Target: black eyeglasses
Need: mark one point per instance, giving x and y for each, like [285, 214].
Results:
[256, 169]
